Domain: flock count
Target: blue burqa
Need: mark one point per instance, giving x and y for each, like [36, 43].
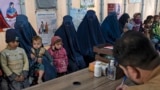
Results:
[89, 35]
[110, 28]
[26, 33]
[68, 34]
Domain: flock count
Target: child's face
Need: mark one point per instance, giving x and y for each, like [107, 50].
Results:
[37, 44]
[148, 25]
[138, 17]
[13, 44]
[157, 19]
[58, 45]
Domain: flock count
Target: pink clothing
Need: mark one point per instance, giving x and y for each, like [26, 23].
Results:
[60, 59]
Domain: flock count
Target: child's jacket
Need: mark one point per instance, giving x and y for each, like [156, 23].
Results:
[60, 59]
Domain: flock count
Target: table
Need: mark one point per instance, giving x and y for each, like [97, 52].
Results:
[85, 77]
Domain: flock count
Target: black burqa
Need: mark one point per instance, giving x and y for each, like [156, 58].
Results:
[123, 20]
[68, 34]
[89, 35]
[110, 28]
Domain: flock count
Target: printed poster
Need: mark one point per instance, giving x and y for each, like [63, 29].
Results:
[114, 7]
[80, 13]
[47, 22]
[9, 9]
[87, 3]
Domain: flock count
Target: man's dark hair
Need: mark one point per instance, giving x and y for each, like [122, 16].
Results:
[135, 49]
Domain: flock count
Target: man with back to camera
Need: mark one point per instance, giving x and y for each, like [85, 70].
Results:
[139, 61]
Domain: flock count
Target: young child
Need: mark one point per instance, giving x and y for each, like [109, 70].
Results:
[59, 55]
[37, 52]
[14, 62]
[156, 32]
[147, 28]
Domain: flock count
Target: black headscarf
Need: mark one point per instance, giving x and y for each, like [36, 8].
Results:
[123, 20]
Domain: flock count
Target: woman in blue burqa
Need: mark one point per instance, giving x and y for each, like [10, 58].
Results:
[110, 28]
[68, 34]
[26, 33]
[11, 11]
[89, 35]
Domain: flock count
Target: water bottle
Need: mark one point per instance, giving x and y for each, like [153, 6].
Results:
[111, 73]
[97, 69]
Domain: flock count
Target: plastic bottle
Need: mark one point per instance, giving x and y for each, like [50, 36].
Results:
[111, 74]
[97, 69]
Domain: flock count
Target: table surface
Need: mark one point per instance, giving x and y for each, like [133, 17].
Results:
[85, 77]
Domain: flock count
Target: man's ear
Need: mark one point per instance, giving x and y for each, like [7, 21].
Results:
[133, 72]
[124, 70]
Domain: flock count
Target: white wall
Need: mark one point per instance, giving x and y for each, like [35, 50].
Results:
[149, 8]
[132, 8]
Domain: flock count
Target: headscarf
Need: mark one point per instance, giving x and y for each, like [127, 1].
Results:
[123, 20]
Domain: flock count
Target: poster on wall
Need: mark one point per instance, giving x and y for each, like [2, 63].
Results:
[114, 7]
[77, 12]
[9, 9]
[87, 3]
[134, 1]
[46, 21]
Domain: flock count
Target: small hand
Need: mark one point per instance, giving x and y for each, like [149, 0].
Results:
[21, 78]
[1, 73]
[32, 56]
[39, 60]
[53, 47]
[17, 78]
[122, 87]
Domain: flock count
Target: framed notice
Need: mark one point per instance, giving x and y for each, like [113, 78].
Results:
[80, 13]
[114, 7]
[87, 3]
[47, 22]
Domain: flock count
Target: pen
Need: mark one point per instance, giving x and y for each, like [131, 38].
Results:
[122, 83]
[124, 79]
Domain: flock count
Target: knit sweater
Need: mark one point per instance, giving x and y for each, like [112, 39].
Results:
[14, 61]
